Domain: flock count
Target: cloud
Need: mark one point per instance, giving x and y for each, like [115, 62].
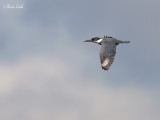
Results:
[41, 87]
[72, 87]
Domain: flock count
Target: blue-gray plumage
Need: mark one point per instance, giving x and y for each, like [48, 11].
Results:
[108, 49]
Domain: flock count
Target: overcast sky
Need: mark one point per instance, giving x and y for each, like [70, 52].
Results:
[47, 72]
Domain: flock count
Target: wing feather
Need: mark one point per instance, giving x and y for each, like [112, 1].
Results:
[107, 54]
[107, 62]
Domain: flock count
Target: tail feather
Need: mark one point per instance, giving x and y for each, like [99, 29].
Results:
[126, 41]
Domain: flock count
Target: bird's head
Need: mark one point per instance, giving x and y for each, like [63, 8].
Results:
[95, 40]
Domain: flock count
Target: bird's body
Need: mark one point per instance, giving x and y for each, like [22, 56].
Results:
[108, 49]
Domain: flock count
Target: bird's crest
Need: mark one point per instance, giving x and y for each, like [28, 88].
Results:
[107, 36]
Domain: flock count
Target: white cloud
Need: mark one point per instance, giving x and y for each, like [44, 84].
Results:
[49, 88]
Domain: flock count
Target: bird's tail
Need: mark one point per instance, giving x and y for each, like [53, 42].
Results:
[120, 41]
[126, 42]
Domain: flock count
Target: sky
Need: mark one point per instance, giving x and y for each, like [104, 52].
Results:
[47, 72]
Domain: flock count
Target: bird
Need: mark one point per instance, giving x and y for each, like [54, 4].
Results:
[108, 49]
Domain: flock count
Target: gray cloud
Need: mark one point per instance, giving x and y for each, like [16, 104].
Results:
[65, 81]
[48, 88]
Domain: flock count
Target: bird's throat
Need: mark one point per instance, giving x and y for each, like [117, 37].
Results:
[99, 41]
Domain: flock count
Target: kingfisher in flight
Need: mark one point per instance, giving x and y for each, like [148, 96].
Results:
[108, 49]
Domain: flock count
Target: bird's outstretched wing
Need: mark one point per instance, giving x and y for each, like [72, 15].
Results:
[106, 62]
[107, 54]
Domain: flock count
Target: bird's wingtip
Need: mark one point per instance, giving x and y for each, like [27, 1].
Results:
[105, 68]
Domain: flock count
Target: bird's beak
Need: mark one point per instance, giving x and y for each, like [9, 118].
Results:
[88, 41]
